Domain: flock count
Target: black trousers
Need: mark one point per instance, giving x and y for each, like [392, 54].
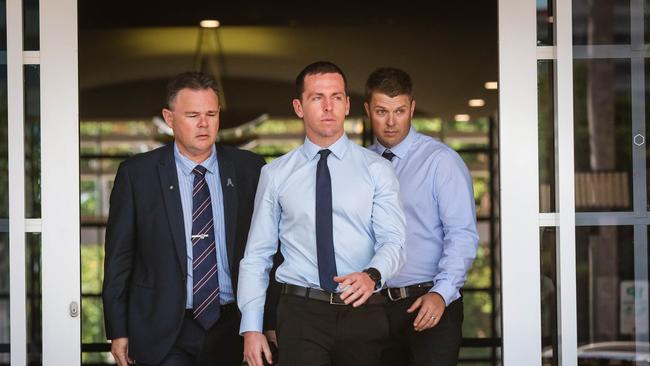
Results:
[437, 346]
[219, 345]
[316, 333]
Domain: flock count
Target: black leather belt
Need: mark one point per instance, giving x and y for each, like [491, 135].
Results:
[332, 298]
[399, 293]
[225, 309]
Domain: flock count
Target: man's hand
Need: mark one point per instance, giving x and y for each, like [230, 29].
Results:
[357, 288]
[255, 345]
[120, 351]
[271, 337]
[432, 306]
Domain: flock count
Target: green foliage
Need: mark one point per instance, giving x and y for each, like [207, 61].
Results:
[92, 317]
[427, 125]
[280, 126]
[89, 198]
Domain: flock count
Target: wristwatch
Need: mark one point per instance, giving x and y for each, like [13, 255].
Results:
[374, 275]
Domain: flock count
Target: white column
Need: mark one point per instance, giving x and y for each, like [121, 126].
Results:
[16, 147]
[60, 181]
[566, 245]
[519, 179]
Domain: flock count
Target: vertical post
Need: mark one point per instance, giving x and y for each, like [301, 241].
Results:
[16, 149]
[60, 181]
[566, 259]
[519, 177]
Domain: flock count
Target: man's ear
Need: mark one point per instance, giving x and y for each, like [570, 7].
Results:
[168, 116]
[297, 108]
[347, 105]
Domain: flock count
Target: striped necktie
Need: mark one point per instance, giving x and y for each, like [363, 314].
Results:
[205, 294]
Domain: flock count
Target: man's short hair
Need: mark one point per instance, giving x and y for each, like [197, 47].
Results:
[318, 67]
[194, 80]
[390, 81]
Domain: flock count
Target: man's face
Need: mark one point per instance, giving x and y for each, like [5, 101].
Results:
[194, 117]
[323, 107]
[390, 117]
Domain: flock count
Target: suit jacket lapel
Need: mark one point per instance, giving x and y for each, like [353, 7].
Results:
[173, 206]
[229, 189]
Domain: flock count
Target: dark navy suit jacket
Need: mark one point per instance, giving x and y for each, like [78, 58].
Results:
[145, 266]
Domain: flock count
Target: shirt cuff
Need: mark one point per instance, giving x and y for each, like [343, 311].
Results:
[448, 292]
[251, 322]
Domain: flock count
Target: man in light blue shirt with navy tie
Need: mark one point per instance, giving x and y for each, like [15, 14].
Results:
[425, 308]
[334, 208]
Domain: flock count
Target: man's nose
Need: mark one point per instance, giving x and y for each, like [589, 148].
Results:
[203, 120]
[390, 120]
[327, 104]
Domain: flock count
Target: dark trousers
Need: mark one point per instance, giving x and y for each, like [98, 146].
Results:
[437, 346]
[316, 333]
[219, 345]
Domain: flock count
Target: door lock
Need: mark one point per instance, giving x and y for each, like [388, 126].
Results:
[74, 309]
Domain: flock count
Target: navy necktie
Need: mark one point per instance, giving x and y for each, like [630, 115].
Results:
[324, 236]
[204, 264]
[388, 155]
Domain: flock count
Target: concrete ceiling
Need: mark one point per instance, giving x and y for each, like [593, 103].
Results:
[123, 70]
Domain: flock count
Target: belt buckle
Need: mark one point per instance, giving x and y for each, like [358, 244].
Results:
[336, 300]
[402, 294]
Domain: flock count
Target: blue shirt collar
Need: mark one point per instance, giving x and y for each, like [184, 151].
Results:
[338, 148]
[400, 150]
[187, 165]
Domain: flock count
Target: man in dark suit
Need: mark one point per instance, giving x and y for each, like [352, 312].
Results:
[177, 227]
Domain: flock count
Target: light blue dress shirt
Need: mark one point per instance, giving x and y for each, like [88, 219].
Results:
[368, 222]
[437, 194]
[184, 167]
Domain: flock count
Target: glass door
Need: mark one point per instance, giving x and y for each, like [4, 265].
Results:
[39, 189]
[574, 182]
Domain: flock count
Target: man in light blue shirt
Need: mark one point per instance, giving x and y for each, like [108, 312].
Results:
[425, 308]
[334, 208]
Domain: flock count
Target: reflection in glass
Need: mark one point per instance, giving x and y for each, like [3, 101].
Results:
[602, 133]
[544, 22]
[601, 22]
[475, 355]
[4, 297]
[92, 274]
[546, 128]
[480, 273]
[34, 301]
[548, 280]
[478, 311]
[605, 262]
[30, 25]
[32, 142]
